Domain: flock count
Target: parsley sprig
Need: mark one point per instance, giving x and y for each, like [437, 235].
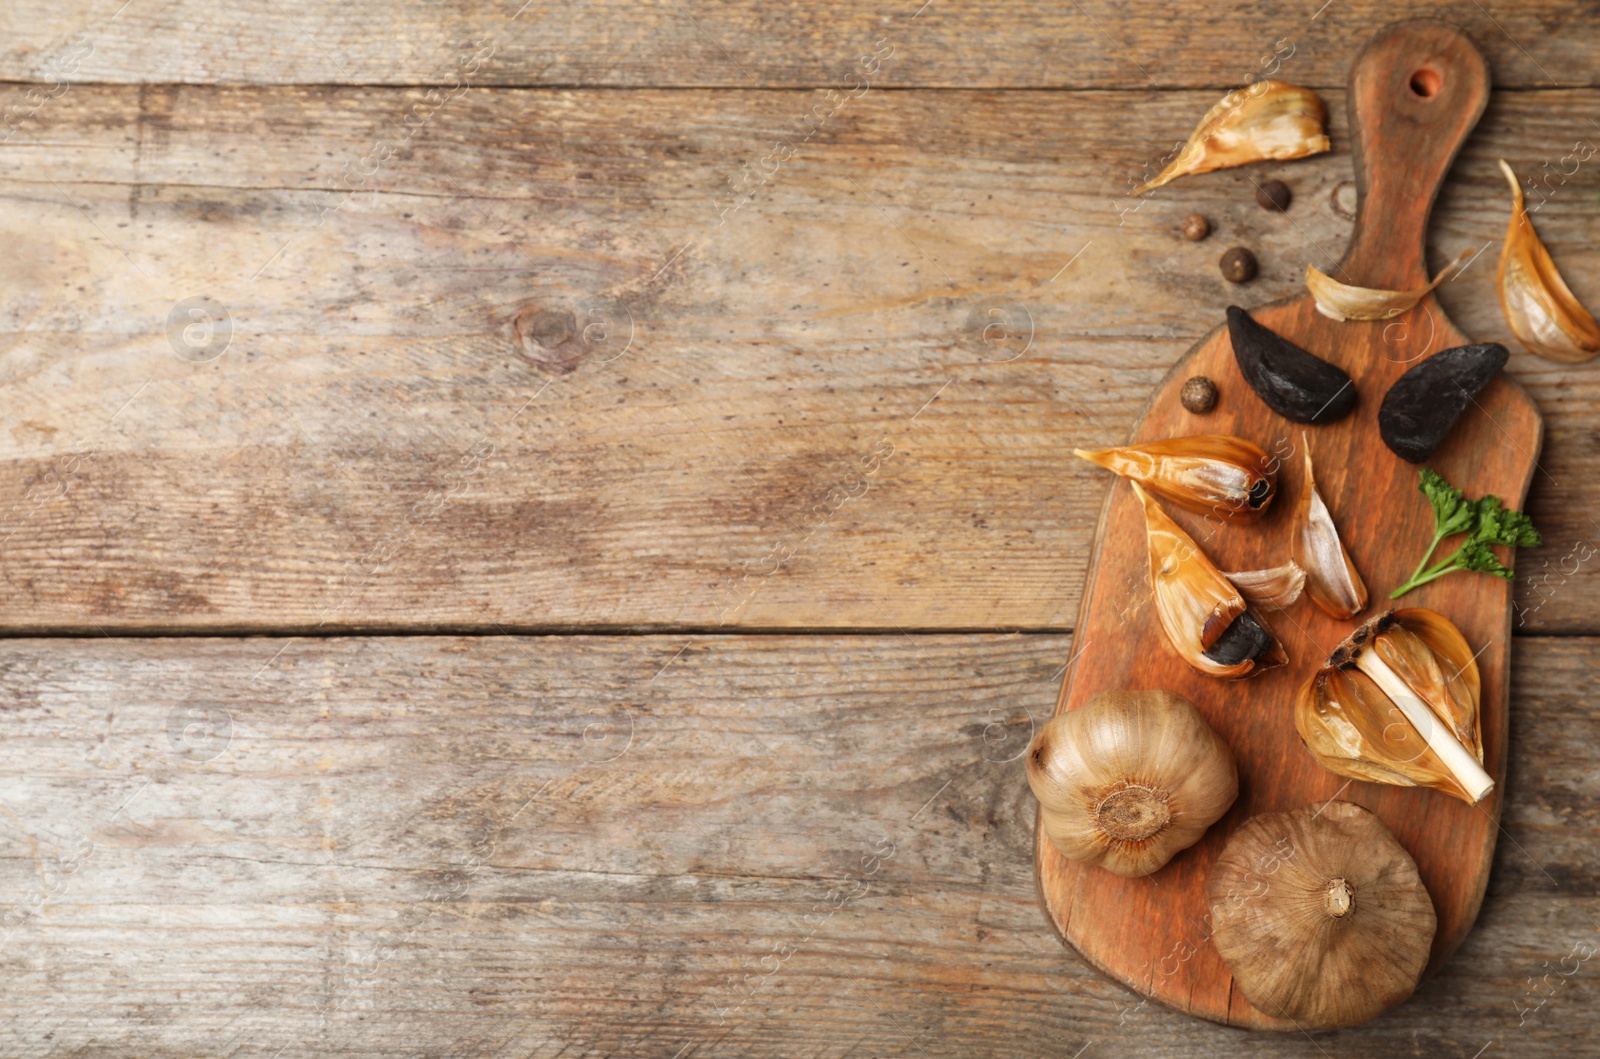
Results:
[1485, 521]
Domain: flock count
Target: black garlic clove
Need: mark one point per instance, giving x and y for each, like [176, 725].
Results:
[1299, 386]
[1246, 638]
[1424, 403]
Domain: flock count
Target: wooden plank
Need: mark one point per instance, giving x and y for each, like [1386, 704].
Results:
[353, 846]
[530, 374]
[1010, 44]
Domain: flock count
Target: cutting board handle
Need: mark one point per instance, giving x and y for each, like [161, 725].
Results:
[1416, 91]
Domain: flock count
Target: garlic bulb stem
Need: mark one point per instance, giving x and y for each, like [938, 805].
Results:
[1462, 765]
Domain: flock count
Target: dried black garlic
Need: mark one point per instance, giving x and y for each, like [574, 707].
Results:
[1297, 385]
[1424, 403]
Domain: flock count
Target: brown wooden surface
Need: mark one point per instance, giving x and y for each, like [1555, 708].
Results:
[312, 886]
[287, 483]
[1406, 144]
[310, 891]
[1141, 44]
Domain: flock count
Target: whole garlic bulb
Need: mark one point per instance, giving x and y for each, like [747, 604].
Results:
[1129, 779]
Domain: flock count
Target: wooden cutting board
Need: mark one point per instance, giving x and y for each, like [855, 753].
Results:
[1416, 92]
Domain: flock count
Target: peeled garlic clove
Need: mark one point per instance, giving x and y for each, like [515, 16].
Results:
[1321, 915]
[1269, 119]
[1129, 779]
[1539, 306]
[1203, 615]
[1398, 703]
[1225, 477]
[1273, 589]
[1296, 384]
[1341, 301]
[1423, 405]
[1331, 578]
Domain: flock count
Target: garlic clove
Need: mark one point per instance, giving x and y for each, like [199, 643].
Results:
[1331, 577]
[1293, 382]
[1266, 120]
[1130, 779]
[1423, 405]
[1398, 703]
[1274, 589]
[1225, 477]
[1205, 618]
[1341, 301]
[1321, 915]
[1540, 307]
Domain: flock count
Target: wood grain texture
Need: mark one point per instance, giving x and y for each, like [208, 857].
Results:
[409, 846]
[1124, 926]
[739, 43]
[322, 470]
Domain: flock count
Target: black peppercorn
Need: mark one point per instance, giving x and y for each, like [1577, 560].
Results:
[1199, 395]
[1196, 228]
[1274, 195]
[1239, 265]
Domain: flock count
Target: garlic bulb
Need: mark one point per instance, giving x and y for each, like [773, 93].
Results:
[1398, 703]
[1211, 474]
[1273, 589]
[1269, 119]
[1321, 915]
[1331, 578]
[1341, 301]
[1204, 616]
[1540, 307]
[1129, 779]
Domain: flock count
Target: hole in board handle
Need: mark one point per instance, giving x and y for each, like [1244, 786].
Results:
[1426, 82]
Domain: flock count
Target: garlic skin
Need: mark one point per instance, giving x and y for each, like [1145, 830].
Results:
[1321, 915]
[1269, 119]
[1210, 474]
[1341, 301]
[1540, 307]
[1398, 703]
[1543, 312]
[1274, 589]
[1331, 577]
[1130, 779]
[1201, 612]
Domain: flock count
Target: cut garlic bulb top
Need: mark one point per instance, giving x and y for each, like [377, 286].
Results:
[1541, 309]
[1398, 703]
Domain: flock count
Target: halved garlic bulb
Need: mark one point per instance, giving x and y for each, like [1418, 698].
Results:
[1341, 301]
[1274, 589]
[1331, 578]
[1542, 311]
[1210, 474]
[1398, 703]
[1269, 119]
[1205, 618]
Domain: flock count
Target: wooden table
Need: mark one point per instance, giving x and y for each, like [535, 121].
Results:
[502, 559]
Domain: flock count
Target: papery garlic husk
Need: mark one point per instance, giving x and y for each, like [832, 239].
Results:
[1331, 577]
[1269, 119]
[1541, 309]
[1320, 915]
[1341, 301]
[1129, 779]
[1398, 703]
[1273, 589]
[1210, 474]
[1204, 616]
